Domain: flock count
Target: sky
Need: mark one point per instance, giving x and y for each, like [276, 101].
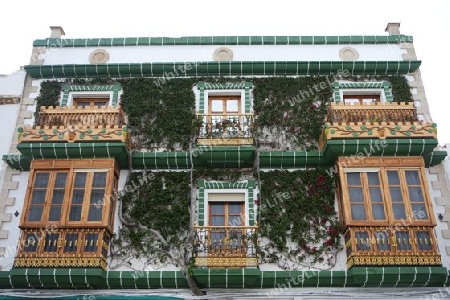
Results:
[427, 21]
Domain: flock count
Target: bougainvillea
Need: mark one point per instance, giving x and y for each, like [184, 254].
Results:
[298, 222]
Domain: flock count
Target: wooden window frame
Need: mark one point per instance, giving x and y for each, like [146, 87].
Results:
[72, 167]
[92, 101]
[361, 98]
[400, 164]
[224, 105]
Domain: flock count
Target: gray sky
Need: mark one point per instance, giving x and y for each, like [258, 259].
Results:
[428, 21]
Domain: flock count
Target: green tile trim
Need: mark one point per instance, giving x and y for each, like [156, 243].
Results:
[236, 68]
[202, 157]
[251, 206]
[17, 162]
[225, 185]
[201, 201]
[67, 88]
[75, 150]
[248, 278]
[224, 40]
[385, 85]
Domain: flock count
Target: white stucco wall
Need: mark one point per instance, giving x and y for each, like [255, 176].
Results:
[8, 117]
[139, 54]
[11, 242]
[437, 209]
[12, 85]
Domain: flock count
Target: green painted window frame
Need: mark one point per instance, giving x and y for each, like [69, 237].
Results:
[203, 185]
[67, 89]
[385, 86]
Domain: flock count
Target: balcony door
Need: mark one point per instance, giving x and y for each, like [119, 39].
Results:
[224, 112]
[226, 220]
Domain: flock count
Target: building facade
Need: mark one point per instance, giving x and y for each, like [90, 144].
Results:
[276, 166]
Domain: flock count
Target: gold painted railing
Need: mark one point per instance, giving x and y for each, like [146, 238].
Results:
[372, 113]
[225, 246]
[63, 248]
[224, 129]
[391, 246]
[77, 124]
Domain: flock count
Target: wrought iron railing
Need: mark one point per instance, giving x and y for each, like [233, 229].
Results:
[225, 246]
[225, 127]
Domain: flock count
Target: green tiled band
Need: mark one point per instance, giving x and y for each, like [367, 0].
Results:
[224, 40]
[385, 85]
[67, 88]
[248, 278]
[224, 68]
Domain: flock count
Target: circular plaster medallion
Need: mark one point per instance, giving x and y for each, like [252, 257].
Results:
[348, 54]
[223, 54]
[99, 56]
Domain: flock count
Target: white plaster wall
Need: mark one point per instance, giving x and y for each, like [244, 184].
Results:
[10, 244]
[12, 85]
[138, 54]
[8, 117]
[437, 209]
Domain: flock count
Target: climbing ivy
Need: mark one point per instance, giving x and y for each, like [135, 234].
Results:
[48, 96]
[297, 218]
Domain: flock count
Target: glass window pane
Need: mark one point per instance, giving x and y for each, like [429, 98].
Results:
[396, 194]
[41, 180]
[235, 221]
[353, 179]
[375, 194]
[95, 213]
[356, 194]
[80, 179]
[415, 194]
[99, 179]
[412, 177]
[75, 213]
[419, 211]
[60, 181]
[393, 178]
[97, 196]
[77, 196]
[102, 103]
[38, 197]
[216, 106]
[55, 213]
[232, 106]
[58, 196]
[234, 208]
[217, 209]
[358, 212]
[399, 211]
[218, 221]
[373, 178]
[35, 213]
[378, 212]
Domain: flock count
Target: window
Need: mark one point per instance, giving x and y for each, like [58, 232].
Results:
[68, 213]
[90, 102]
[386, 212]
[385, 195]
[350, 99]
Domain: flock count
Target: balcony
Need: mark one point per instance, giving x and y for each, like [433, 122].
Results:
[388, 120]
[62, 248]
[389, 246]
[224, 129]
[76, 124]
[225, 246]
